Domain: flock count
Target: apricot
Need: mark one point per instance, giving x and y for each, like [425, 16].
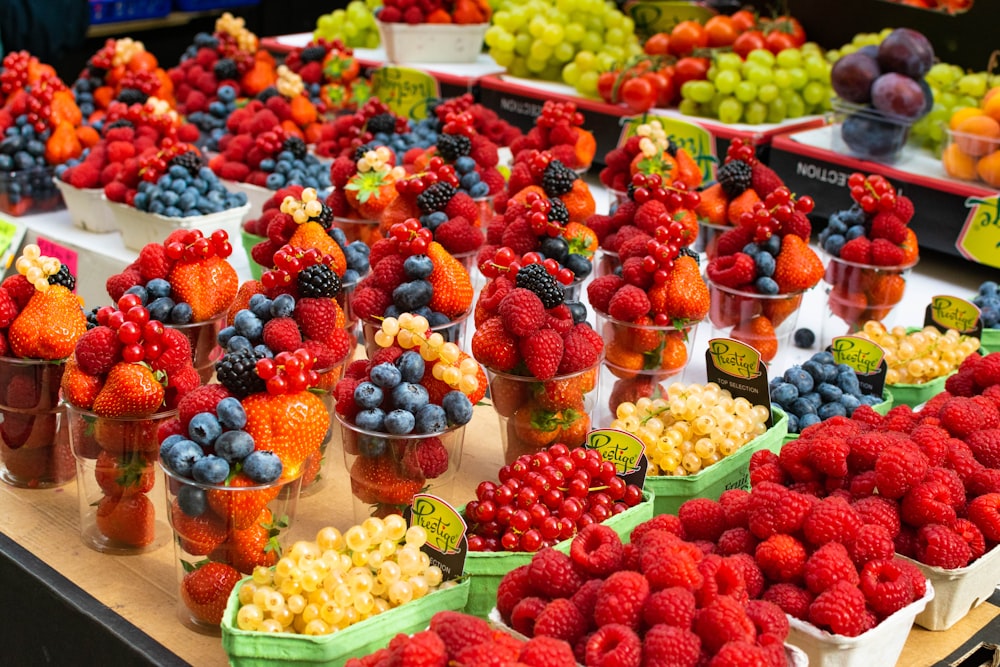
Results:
[978, 135]
[958, 164]
[959, 115]
[991, 105]
[988, 169]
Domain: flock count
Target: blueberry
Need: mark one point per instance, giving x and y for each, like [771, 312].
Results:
[372, 419]
[436, 218]
[167, 443]
[834, 243]
[283, 305]
[766, 285]
[226, 93]
[262, 466]
[193, 501]
[801, 406]
[457, 407]
[210, 469]
[848, 382]
[409, 396]
[555, 247]
[238, 342]
[275, 181]
[465, 164]
[480, 189]
[751, 249]
[391, 311]
[850, 403]
[411, 366]
[815, 370]
[578, 264]
[765, 264]
[854, 232]
[181, 313]
[249, 325]
[261, 308]
[772, 245]
[412, 295]
[234, 446]
[989, 288]
[824, 357]
[807, 420]
[367, 395]
[371, 446]
[804, 338]
[399, 422]
[230, 412]
[267, 164]
[158, 287]
[140, 291]
[418, 267]
[797, 375]
[431, 419]
[784, 393]
[829, 392]
[793, 422]
[263, 350]
[870, 399]
[578, 311]
[385, 375]
[437, 319]
[182, 456]
[337, 234]
[204, 428]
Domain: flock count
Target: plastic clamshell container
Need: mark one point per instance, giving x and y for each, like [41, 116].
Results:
[87, 208]
[432, 42]
[485, 569]
[963, 154]
[879, 646]
[881, 136]
[139, 227]
[732, 472]
[881, 408]
[958, 591]
[262, 649]
[990, 341]
[249, 241]
[29, 191]
[916, 394]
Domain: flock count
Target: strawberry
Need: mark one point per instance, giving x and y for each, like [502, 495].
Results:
[574, 429]
[757, 332]
[370, 193]
[559, 394]
[741, 204]
[257, 545]
[713, 204]
[49, 325]
[208, 284]
[797, 267]
[198, 535]
[581, 239]
[123, 475]
[125, 436]
[312, 235]
[205, 590]
[494, 347]
[131, 390]
[777, 310]
[292, 426]
[378, 481]
[130, 520]
[534, 426]
[508, 395]
[687, 298]
[238, 507]
[77, 387]
[542, 352]
[886, 291]
[451, 283]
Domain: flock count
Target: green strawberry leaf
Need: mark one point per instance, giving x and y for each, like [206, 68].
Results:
[652, 358]
[191, 567]
[544, 420]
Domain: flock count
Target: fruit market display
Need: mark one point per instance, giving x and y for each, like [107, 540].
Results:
[690, 427]
[347, 133]
[331, 74]
[816, 390]
[459, 12]
[530, 509]
[370, 568]
[124, 71]
[973, 151]
[658, 600]
[917, 357]
[988, 300]
[353, 24]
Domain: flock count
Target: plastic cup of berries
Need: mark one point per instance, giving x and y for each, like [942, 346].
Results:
[708, 238]
[116, 477]
[34, 440]
[857, 293]
[765, 322]
[221, 532]
[359, 229]
[606, 262]
[316, 470]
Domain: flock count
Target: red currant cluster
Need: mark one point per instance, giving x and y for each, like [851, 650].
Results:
[288, 262]
[776, 210]
[288, 372]
[674, 196]
[506, 261]
[14, 75]
[105, 57]
[538, 216]
[39, 101]
[145, 81]
[140, 336]
[194, 245]
[139, 115]
[229, 47]
[459, 122]
[554, 113]
[437, 170]
[537, 162]
[662, 249]
[873, 193]
[453, 105]
[740, 150]
[154, 165]
[410, 237]
[271, 141]
[546, 497]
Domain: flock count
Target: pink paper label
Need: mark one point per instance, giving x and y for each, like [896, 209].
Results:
[62, 253]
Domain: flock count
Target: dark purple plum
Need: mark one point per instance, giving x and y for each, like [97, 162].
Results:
[906, 51]
[871, 137]
[870, 50]
[852, 77]
[899, 95]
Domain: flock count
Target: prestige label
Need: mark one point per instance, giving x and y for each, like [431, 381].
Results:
[736, 367]
[446, 543]
[952, 312]
[404, 90]
[866, 358]
[696, 140]
[979, 239]
[11, 235]
[623, 449]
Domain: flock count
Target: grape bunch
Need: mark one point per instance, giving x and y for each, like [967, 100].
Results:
[538, 38]
[354, 25]
[764, 88]
[953, 89]
[920, 356]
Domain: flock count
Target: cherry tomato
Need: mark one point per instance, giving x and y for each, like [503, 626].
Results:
[721, 30]
[638, 94]
[690, 69]
[665, 97]
[777, 41]
[687, 36]
[744, 20]
[749, 41]
[606, 85]
[658, 44]
[658, 81]
[790, 26]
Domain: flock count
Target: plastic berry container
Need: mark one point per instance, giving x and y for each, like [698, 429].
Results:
[87, 208]
[29, 191]
[139, 228]
[432, 42]
[867, 133]
[971, 157]
[958, 591]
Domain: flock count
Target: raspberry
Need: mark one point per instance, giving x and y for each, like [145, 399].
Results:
[768, 618]
[673, 606]
[585, 597]
[202, 399]
[932, 441]
[984, 511]
[522, 311]
[721, 577]
[865, 415]
[899, 467]
[858, 250]
[972, 536]
[961, 416]
[879, 510]
[905, 544]
[458, 235]
[733, 241]
[962, 383]
[742, 654]
[942, 547]
[735, 503]
[828, 565]
[341, 171]
[928, 502]
[829, 455]
[904, 208]
[424, 649]
[832, 519]
[115, 285]
[343, 394]
[597, 550]
[901, 418]
[781, 558]
[987, 371]
[615, 645]
[429, 456]
[553, 574]
[389, 273]
[774, 509]
[97, 349]
[369, 303]
[153, 262]
[985, 446]
[525, 613]
[841, 610]
[917, 578]
[794, 460]
[866, 448]
[503, 650]
[672, 562]
[872, 542]
[753, 578]
[791, 599]
[650, 215]
[724, 620]
[562, 620]
[512, 589]
[703, 519]
[547, 652]
[176, 353]
[734, 270]
[621, 598]
[670, 645]
[665, 522]
[628, 303]
[736, 540]
[886, 586]
[282, 334]
[317, 318]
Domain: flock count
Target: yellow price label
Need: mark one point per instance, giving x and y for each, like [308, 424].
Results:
[652, 17]
[951, 312]
[444, 525]
[861, 354]
[694, 139]
[11, 235]
[734, 358]
[620, 447]
[979, 239]
[406, 91]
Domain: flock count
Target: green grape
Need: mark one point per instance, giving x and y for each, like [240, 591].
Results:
[522, 44]
[534, 65]
[587, 85]
[571, 73]
[795, 105]
[503, 58]
[585, 60]
[492, 34]
[726, 81]
[539, 51]
[726, 61]
[553, 34]
[713, 104]
[537, 26]
[689, 107]
[614, 36]
[698, 91]
[789, 58]
[782, 78]
[817, 68]
[759, 74]
[574, 32]
[777, 110]
[711, 72]
[815, 92]
[767, 93]
[761, 57]
[605, 62]
[354, 25]
[798, 77]
[730, 110]
[505, 42]
[563, 52]
[745, 91]
[755, 113]
[592, 41]
[517, 67]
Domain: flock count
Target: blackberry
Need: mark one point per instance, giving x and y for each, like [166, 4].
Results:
[267, 93]
[295, 146]
[383, 122]
[453, 146]
[190, 161]
[690, 253]
[64, 278]
[91, 316]
[237, 372]
[121, 122]
[734, 177]
[325, 217]
[435, 197]
[558, 211]
[558, 179]
[318, 282]
[312, 54]
[535, 278]
[225, 69]
[132, 96]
